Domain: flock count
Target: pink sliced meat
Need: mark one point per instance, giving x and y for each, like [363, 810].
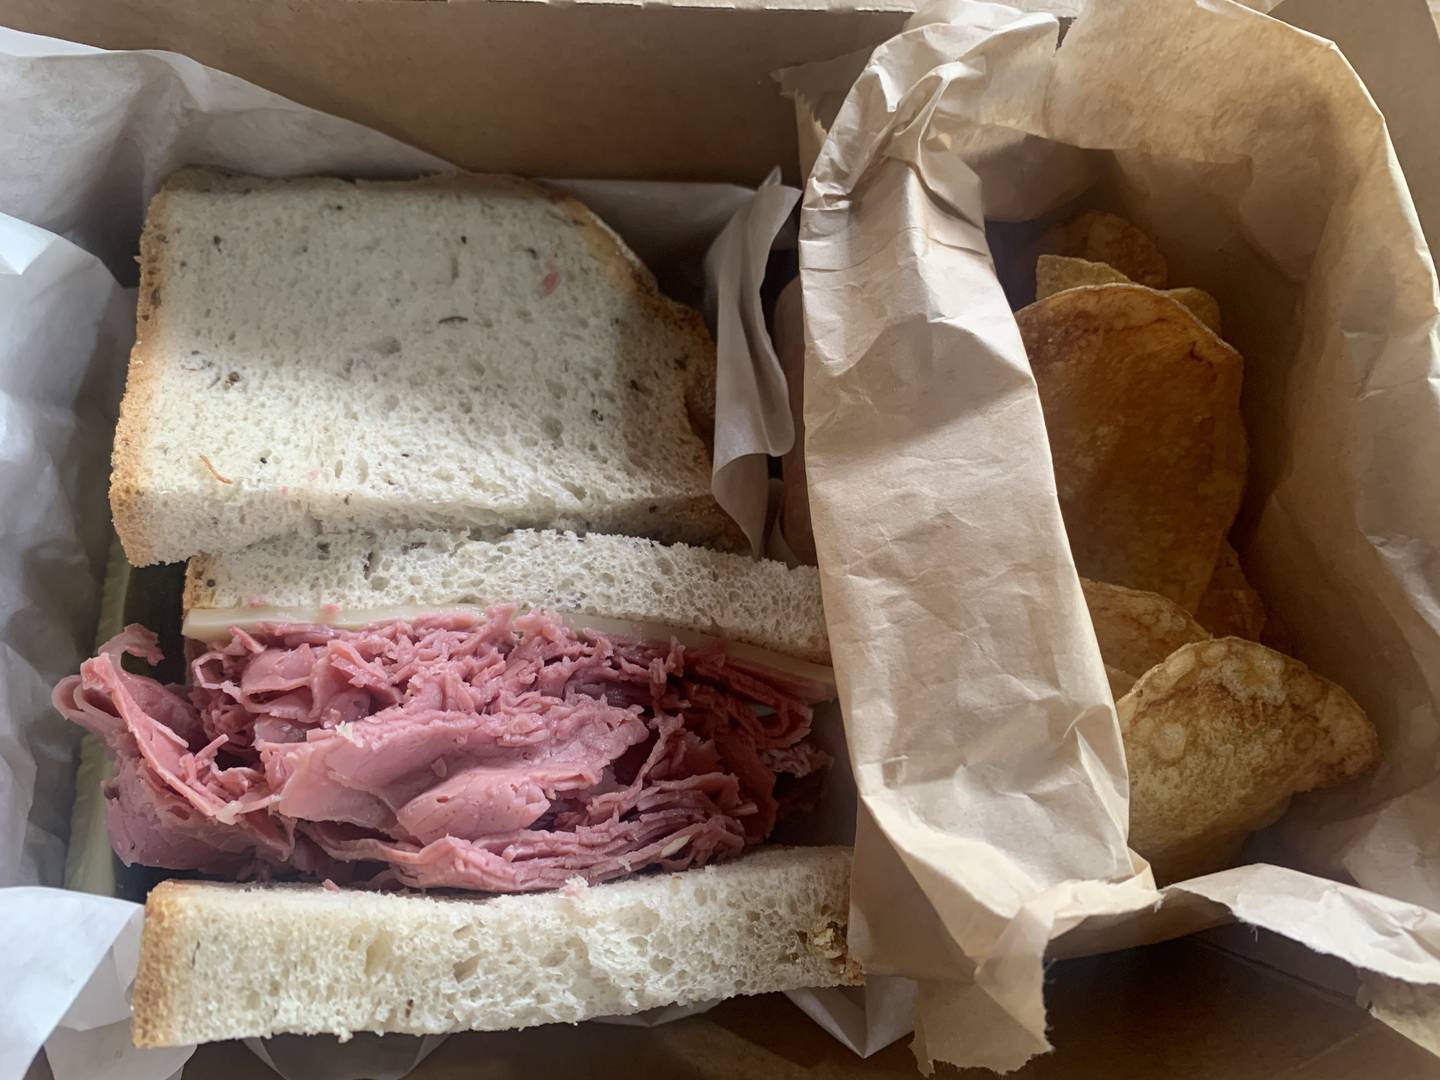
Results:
[476, 803]
[503, 754]
[798, 759]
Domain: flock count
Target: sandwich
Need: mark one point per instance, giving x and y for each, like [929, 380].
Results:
[474, 732]
[529, 717]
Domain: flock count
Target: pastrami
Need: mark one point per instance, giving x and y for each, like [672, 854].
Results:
[502, 753]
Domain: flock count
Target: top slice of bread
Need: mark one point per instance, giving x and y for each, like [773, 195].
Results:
[472, 351]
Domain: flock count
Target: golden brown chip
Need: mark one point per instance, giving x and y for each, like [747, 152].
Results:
[1056, 273]
[1112, 240]
[1120, 681]
[1142, 406]
[1219, 737]
[1230, 607]
[1137, 630]
[1199, 303]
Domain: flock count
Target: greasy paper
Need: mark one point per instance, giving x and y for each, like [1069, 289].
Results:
[991, 780]
[88, 137]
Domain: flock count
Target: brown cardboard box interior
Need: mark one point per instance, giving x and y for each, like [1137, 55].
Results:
[511, 86]
[604, 90]
[1184, 1009]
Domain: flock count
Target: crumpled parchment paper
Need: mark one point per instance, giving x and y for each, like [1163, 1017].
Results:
[989, 767]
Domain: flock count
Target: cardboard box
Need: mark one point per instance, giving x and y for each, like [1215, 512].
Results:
[1188, 1008]
[685, 93]
[594, 90]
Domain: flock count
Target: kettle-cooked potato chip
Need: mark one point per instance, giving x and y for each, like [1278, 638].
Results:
[1142, 406]
[1230, 607]
[1219, 737]
[1200, 304]
[1106, 238]
[1137, 630]
[1120, 681]
[1056, 273]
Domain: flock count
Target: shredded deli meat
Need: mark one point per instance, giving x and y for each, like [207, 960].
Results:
[506, 753]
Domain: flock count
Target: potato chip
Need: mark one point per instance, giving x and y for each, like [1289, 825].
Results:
[1199, 303]
[1230, 607]
[1219, 737]
[1137, 630]
[1142, 406]
[1056, 273]
[1112, 240]
[1120, 681]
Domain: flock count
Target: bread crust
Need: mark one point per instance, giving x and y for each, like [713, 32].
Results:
[127, 485]
[198, 593]
[154, 1008]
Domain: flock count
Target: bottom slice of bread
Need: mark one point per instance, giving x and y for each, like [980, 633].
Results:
[224, 961]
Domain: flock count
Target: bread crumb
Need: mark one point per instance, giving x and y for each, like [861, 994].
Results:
[829, 941]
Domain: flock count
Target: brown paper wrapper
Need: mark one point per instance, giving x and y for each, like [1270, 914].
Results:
[986, 755]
